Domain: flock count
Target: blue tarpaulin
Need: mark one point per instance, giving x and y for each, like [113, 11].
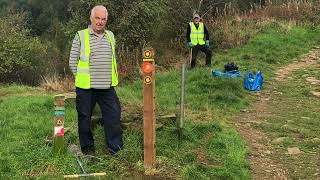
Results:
[226, 74]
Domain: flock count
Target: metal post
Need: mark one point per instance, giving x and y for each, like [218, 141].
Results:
[190, 57]
[182, 97]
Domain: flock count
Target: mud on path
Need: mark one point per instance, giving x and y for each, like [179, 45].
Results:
[260, 147]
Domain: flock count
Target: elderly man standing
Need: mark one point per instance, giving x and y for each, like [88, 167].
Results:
[198, 39]
[93, 63]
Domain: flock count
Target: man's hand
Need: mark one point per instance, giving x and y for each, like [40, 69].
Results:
[207, 43]
[190, 44]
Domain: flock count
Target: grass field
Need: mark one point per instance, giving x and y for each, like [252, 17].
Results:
[210, 147]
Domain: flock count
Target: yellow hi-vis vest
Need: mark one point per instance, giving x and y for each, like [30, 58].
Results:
[197, 35]
[83, 68]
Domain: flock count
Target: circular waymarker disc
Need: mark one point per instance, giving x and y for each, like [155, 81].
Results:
[147, 67]
[147, 80]
[147, 53]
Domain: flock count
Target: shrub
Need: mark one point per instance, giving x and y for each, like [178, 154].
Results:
[22, 57]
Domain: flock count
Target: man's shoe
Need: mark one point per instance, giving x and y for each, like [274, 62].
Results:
[88, 151]
[113, 152]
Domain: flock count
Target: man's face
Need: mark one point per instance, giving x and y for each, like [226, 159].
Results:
[196, 20]
[98, 20]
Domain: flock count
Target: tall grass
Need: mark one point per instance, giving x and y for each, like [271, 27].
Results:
[231, 29]
[56, 83]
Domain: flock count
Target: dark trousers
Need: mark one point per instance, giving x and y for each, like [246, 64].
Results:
[111, 112]
[204, 49]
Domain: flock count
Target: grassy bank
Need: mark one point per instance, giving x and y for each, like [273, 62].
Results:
[210, 147]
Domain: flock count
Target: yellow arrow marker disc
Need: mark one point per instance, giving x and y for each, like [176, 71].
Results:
[147, 80]
[59, 123]
[147, 54]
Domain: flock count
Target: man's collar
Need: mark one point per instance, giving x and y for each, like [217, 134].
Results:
[90, 30]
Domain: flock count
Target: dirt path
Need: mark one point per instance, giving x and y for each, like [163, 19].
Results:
[260, 147]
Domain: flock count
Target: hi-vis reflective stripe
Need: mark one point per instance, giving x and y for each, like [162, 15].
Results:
[82, 70]
[83, 58]
[82, 42]
[111, 43]
[114, 63]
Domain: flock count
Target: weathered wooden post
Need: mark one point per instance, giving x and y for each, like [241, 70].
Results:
[149, 120]
[59, 114]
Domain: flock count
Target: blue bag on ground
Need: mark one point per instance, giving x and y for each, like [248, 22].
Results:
[253, 82]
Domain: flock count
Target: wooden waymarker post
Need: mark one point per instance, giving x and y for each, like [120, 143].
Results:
[149, 120]
[59, 114]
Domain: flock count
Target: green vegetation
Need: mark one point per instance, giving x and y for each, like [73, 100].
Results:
[209, 148]
[37, 33]
[23, 57]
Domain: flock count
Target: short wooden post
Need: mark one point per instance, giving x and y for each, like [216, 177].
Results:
[149, 120]
[59, 114]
